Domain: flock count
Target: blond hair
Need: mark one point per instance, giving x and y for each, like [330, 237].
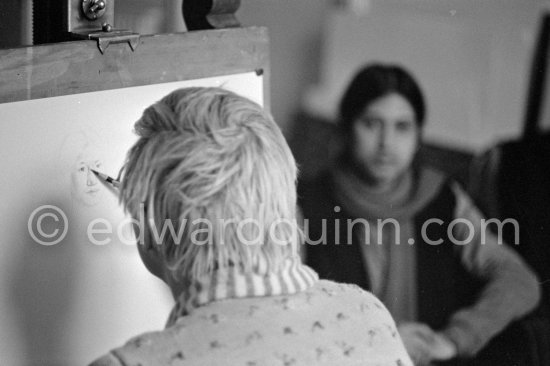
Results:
[205, 155]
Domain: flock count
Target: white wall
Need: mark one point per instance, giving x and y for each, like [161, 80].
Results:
[149, 16]
[296, 31]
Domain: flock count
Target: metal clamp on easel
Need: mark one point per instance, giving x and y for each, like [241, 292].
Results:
[93, 19]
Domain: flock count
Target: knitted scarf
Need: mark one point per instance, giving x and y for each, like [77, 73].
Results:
[389, 259]
[410, 193]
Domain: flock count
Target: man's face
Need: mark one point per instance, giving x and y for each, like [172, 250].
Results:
[385, 139]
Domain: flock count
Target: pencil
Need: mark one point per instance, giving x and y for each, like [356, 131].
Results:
[107, 178]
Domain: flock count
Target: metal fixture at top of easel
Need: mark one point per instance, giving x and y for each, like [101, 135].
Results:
[94, 19]
[93, 9]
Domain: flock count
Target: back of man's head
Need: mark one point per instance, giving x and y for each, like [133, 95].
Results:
[215, 167]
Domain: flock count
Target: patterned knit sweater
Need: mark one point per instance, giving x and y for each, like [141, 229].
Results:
[327, 324]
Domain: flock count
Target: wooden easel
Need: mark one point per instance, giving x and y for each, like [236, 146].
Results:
[57, 65]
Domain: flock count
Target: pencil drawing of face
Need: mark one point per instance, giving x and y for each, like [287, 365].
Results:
[81, 153]
[85, 186]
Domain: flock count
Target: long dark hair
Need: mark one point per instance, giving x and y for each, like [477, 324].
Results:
[375, 81]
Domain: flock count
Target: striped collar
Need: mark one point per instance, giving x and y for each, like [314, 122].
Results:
[234, 283]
